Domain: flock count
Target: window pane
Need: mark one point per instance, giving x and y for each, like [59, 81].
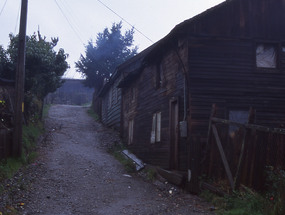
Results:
[237, 116]
[266, 56]
[131, 131]
[153, 129]
[158, 127]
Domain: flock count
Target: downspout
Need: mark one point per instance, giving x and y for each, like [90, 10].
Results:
[186, 84]
[186, 99]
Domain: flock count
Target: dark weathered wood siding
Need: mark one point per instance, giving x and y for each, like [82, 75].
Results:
[220, 61]
[111, 106]
[223, 71]
[150, 99]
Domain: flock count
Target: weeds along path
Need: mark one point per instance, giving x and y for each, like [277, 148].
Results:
[75, 174]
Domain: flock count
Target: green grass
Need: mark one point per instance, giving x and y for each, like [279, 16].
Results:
[116, 151]
[46, 110]
[151, 173]
[30, 136]
[247, 202]
[9, 167]
[91, 113]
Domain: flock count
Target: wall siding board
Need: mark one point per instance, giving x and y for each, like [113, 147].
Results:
[150, 100]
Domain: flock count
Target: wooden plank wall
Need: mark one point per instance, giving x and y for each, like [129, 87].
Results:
[111, 107]
[223, 71]
[242, 18]
[261, 150]
[149, 100]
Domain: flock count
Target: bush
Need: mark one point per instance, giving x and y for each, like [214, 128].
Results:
[275, 191]
[31, 133]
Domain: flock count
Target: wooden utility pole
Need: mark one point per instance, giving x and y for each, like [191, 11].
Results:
[20, 80]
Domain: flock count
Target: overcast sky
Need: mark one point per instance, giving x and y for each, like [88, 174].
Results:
[75, 22]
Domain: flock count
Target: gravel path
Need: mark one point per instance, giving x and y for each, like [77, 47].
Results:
[75, 175]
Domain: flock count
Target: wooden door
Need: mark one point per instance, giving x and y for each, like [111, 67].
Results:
[174, 136]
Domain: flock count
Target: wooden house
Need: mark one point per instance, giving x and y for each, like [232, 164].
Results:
[232, 55]
[111, 94]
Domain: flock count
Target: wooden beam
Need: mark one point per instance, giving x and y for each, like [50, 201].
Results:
[223, 156]
[245, 134]
[250, 126]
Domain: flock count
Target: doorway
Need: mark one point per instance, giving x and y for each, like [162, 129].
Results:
[174, 134]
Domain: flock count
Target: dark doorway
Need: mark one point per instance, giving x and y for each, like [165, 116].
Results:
[174, 129]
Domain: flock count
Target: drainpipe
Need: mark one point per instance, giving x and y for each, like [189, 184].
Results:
[183, 124]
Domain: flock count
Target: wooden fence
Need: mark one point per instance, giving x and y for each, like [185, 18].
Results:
[5, 143]
[241, 157]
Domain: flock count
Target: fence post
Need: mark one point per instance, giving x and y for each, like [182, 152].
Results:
[251, 116]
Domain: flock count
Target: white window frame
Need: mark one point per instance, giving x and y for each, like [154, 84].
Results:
[266, 55]
[110, 98]
[156, 128]
[131, 132]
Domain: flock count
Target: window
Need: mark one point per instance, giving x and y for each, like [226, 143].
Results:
[110, 98]
[237, 116]
[133, 94]
[159, 75]
[266, 56]
[131, 131]
[156, 128]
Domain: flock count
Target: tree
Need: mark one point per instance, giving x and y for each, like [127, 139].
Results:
[110, 50]
[44, 66]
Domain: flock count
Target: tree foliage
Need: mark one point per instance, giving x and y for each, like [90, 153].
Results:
[44, 66]
[110, 50]
[43, 70]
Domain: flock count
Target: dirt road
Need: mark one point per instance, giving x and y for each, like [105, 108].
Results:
[75, 175]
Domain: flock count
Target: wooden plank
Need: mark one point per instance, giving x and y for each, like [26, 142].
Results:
[245, 134]
[172, 176]
[251, 126]
[213, 189]
[208, 144]
[223, 156]
[139, 164]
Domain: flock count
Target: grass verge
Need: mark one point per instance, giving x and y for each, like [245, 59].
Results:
[30, 136]
[249, 202]
[91, 113]
[116, 151]
[31, 133]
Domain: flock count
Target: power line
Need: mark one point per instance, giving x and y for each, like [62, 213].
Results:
[17, 20]
[77, 34]
[3, 7]
[125, 20]
[74, 19]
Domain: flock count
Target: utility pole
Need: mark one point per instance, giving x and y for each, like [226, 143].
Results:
[20, 80]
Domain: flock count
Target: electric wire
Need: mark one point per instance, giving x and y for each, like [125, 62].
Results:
[3, 7]
[18, 19]
[73, 19]
[68, 21]
[125, 21]
[76, 29]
